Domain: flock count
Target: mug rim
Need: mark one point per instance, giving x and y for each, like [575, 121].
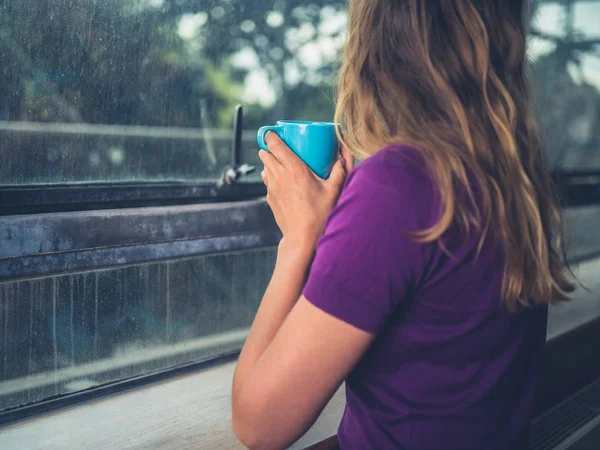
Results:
[305, 122]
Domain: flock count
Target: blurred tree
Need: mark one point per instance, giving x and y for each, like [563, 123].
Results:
[279, 32]
[101, 62]
[126, 61]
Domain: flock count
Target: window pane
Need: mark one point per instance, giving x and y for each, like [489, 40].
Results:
[70, 333]
[565, 54]
[145, 90]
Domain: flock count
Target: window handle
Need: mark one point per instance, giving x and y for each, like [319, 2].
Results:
[232, 175]
[235, 171]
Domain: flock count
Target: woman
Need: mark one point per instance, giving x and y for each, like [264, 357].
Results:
[427, 292]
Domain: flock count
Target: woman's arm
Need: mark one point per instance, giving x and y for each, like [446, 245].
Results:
[291, 269]
[294, 360]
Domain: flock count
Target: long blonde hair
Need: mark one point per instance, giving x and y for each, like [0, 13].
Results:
[448, 78]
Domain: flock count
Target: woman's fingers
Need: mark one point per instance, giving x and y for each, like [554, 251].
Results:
[338, 173]
[270, 161]
[342, 167]
[265, 178]
[285, 156]
[269, 174]
[348, 158]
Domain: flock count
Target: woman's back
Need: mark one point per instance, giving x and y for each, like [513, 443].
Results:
[450, 367]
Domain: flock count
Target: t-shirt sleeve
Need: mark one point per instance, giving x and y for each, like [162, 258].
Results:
[366, 264]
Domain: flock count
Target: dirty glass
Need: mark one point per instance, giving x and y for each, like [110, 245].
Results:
[145, 90]
[70, 333]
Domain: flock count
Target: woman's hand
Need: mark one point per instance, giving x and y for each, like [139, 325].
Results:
[300, 200]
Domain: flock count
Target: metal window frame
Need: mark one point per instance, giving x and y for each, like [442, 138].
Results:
[26, 199]
[82, 197]
[36, 245]
[577, 187]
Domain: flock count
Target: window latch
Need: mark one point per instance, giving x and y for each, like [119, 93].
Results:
[235, 171]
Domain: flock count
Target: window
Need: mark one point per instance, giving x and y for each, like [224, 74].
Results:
[137, 94]
[124, 91]
[141, 93]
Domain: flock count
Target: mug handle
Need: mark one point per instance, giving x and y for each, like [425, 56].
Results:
[262, 132]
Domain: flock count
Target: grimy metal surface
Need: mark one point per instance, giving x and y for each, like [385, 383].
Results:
[77, 197]
[576, 188]
[37, 245]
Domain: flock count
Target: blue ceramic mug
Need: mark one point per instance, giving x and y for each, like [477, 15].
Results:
[315, 143]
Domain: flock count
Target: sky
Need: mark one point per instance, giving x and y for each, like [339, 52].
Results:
[257, 89]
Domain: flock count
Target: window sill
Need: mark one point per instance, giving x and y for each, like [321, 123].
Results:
[190, 412]
[194, 410]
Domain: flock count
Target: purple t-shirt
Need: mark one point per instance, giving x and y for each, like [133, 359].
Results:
[450, 367]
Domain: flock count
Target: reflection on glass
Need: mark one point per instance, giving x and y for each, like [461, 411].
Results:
[70, 333]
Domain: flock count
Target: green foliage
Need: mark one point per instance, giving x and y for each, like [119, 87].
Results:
[125, 62]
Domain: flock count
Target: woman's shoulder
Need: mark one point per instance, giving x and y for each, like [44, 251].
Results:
[394, 186]
[400, 168]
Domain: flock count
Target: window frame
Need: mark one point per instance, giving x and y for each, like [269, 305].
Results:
[575, 188]
[23, 199]
[117, 238]
[84, 197]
